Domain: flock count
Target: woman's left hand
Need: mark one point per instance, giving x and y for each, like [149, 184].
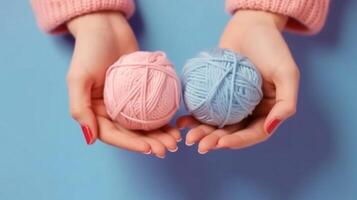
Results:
[257, 35]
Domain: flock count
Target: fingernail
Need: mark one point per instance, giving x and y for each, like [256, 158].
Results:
[273, 124]
[179, 140]
[147, 153]
[173, 150]
[159, 156]
[87, 134]
[202, 152]
[189, 144]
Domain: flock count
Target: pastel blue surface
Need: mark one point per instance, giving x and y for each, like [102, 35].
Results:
[43, 155]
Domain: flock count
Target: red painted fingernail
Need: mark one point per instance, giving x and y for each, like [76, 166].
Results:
[273, 124]
[87, 133]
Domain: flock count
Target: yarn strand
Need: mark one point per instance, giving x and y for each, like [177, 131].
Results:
[221, 87]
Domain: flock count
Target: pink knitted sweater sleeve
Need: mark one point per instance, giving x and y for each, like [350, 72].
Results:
[52, 15]
[306, 16]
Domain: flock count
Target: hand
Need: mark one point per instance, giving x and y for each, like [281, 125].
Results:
[101, 38]
[257, 35]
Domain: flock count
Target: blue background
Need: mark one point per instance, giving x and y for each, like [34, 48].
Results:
[43, 154]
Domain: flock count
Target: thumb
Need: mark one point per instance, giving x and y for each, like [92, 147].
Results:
[79, 89]
[286, 84]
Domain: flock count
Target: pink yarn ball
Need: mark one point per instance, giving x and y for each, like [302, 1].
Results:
[142, 91]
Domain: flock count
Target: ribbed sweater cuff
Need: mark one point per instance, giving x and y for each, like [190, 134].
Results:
[52, 15]
[306, 16]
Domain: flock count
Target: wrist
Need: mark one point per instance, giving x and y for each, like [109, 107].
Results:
[94, 22]
[248, 18]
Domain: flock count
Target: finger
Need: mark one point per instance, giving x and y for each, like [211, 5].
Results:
[174, 132]
[210, 141]
[109, 134]
[79, 89]
[168, 140]
[197, 133]
[187, 121]
[286, 83]
[248, 136]
[157, 147]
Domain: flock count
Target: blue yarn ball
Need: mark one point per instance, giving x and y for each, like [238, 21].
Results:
[221, 87]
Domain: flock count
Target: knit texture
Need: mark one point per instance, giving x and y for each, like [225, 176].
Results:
[142, 90]
[306, 16]
[221, 87]
[52, 15]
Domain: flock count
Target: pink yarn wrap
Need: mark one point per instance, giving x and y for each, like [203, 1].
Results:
[142, 91]
[52, 15]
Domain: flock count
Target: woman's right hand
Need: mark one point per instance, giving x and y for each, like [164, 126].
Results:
[100, 39]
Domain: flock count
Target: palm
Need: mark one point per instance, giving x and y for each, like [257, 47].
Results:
[109, 132]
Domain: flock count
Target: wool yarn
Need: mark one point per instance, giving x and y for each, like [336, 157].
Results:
[221, 87]
[142, 91]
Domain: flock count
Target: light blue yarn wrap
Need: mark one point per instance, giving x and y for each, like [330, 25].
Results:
[221, 87]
